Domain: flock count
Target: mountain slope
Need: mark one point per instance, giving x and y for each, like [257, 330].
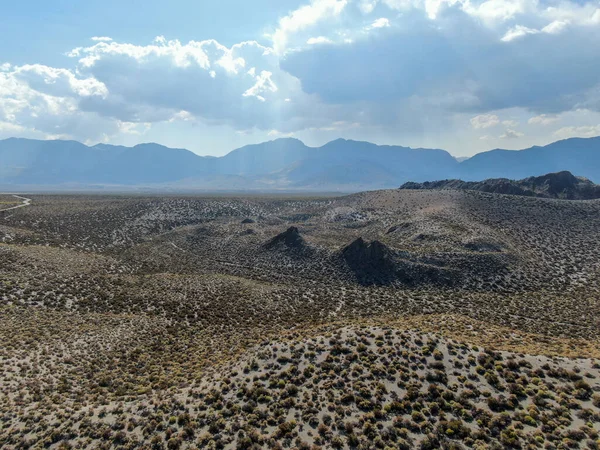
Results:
[553, 185]
[343, 165]
[26, 161]
[577, 155]
[282, 163]
[263, 158]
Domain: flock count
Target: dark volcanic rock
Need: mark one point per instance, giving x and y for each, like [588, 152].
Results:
[553, 185]
[248, 220]
[371, 262]
[361, 253]
[290, 239]
[375, 263]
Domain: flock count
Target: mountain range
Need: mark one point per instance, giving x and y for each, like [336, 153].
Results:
[281, 164]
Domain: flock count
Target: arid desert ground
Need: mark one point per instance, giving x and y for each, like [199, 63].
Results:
[391, 319]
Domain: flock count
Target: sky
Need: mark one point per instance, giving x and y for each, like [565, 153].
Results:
[462, 75]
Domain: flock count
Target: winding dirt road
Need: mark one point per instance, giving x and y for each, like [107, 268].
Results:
[26, 202]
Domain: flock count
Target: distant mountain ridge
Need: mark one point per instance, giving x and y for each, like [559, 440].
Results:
[282, 164]
[576, 155]
[553, 185]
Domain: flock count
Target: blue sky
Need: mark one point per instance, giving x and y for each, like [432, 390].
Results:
[462, 75]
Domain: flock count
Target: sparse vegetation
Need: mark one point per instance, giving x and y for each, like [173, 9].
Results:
[165, 323]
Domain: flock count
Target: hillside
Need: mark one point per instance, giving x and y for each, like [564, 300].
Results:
[553, 185]
[282, 164]
[406, 318]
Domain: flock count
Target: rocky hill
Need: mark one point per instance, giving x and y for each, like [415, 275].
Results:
[562, 185]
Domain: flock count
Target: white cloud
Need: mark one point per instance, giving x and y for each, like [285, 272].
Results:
[555, 27]
[455, 59]
[7, 127]
[511, 134]
[496, 10]
[59, 82]
[442, 60]
[318, 40]
[485, 121]
[382, 22]
[517, 32]
[578, 131]
[212, 82]
[279, 134]
[40, 101]
[184, 116]
[264, 84]
[543, 119]
[133, 128]
[303, 18]
[367, 6]
[121, 88]
[582, 14]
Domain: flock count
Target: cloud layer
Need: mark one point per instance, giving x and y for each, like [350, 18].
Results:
[331, 65]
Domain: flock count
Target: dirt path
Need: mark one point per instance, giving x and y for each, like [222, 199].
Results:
[26, 202]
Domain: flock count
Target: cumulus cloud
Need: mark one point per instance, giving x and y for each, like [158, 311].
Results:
[241, 85]
[485, 121]
[382, 22]
[303, 18]
[511, 134]
[483, 67]
[367, 6]
[41, 101]
[325, 65]
[543, 119]
[578, 131]
[58, 82]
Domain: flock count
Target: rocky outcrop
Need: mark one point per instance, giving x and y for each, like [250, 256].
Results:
[361, 253]
[562, 185]
[290, 239]
[376, 263]
[372, 263]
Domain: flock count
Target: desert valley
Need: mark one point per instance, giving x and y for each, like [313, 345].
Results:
[402, 318]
